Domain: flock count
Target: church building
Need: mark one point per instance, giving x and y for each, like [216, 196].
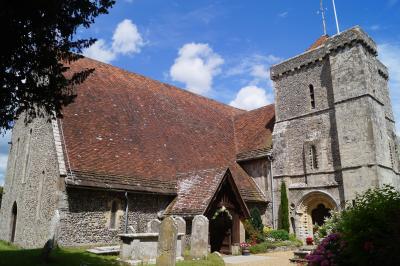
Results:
[131, 149]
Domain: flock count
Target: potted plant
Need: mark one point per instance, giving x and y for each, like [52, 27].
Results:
[245, 248]
[309, 240]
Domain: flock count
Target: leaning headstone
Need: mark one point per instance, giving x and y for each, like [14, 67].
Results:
[167, 239]
[181, 223]
[199, 238]
[153, 226]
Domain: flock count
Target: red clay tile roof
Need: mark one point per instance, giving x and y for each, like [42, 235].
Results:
[253, 129]
[320, 41]
[128, 130]
[195, 191]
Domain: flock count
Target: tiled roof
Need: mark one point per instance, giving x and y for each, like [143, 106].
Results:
[253, 129]
[195, 191]
[247, 186]
[115, 182]
[126, 130]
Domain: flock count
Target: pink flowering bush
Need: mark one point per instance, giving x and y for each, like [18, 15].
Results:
[245, 245]
[366, 233]
[328, 251]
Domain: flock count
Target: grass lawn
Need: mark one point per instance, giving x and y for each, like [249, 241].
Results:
[14, 256]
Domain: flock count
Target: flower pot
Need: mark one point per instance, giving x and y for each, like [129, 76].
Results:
[245, 251]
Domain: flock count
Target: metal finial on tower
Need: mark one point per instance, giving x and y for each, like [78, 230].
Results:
[334, 11]
[323, 16]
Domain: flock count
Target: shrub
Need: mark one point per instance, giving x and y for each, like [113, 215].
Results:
[371, 228]
[266, 230]
[367, 233]
[260, 248]
[328, 251]
[252, 235]
[256, 220]
[278, 235]
[284, 209]
[330, 226]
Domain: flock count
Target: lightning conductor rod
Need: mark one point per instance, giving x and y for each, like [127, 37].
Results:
[334, 11]
[323, 16]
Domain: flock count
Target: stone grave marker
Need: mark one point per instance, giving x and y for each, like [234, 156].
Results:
[167, 241]
[153, 226]
[181, 223]
[199, 238]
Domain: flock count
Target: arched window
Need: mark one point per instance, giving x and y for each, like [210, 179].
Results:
[27, 157]
[312, 97]
[13, 221]
[113, 216]
[313, 157]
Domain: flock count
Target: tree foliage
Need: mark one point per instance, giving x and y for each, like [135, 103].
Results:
[284, 209]
[365, 233]
[256, 220]
[37, 46]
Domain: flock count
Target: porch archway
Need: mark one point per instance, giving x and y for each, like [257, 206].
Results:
[312, 210]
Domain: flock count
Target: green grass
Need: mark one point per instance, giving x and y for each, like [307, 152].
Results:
[14, 256]
[268, 246]
[212, 260]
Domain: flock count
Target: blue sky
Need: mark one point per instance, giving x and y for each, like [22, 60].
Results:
[223, 49]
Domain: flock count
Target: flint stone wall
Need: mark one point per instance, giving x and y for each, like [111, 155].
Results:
[32, 181]
[86, 219]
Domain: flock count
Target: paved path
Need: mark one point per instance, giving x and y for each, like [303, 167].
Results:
[267, 259]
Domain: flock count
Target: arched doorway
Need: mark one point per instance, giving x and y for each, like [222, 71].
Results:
[319, 214]
[221, 232]
[13, 222]
[312, 210]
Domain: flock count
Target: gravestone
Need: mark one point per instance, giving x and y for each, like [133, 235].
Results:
[153, 226]
[167, 240]
[199, 238]
[181, 223]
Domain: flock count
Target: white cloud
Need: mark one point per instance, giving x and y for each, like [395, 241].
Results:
[3, 166]
[126, 38]
[389, 54]
[196, 66]
[99, 51]
[375, 27]
[283, 14]
[251, 97]
[254, 69]
[126, 41]
[4, 155]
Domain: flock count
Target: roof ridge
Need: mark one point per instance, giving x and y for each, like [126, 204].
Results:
[227, 106]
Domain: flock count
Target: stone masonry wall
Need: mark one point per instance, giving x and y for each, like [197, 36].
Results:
[351, 126]
[32, 181]
[86, 219]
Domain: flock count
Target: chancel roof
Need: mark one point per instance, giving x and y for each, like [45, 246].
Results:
[127, 131]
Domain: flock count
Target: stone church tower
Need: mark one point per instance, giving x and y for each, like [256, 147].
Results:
[334, 134]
